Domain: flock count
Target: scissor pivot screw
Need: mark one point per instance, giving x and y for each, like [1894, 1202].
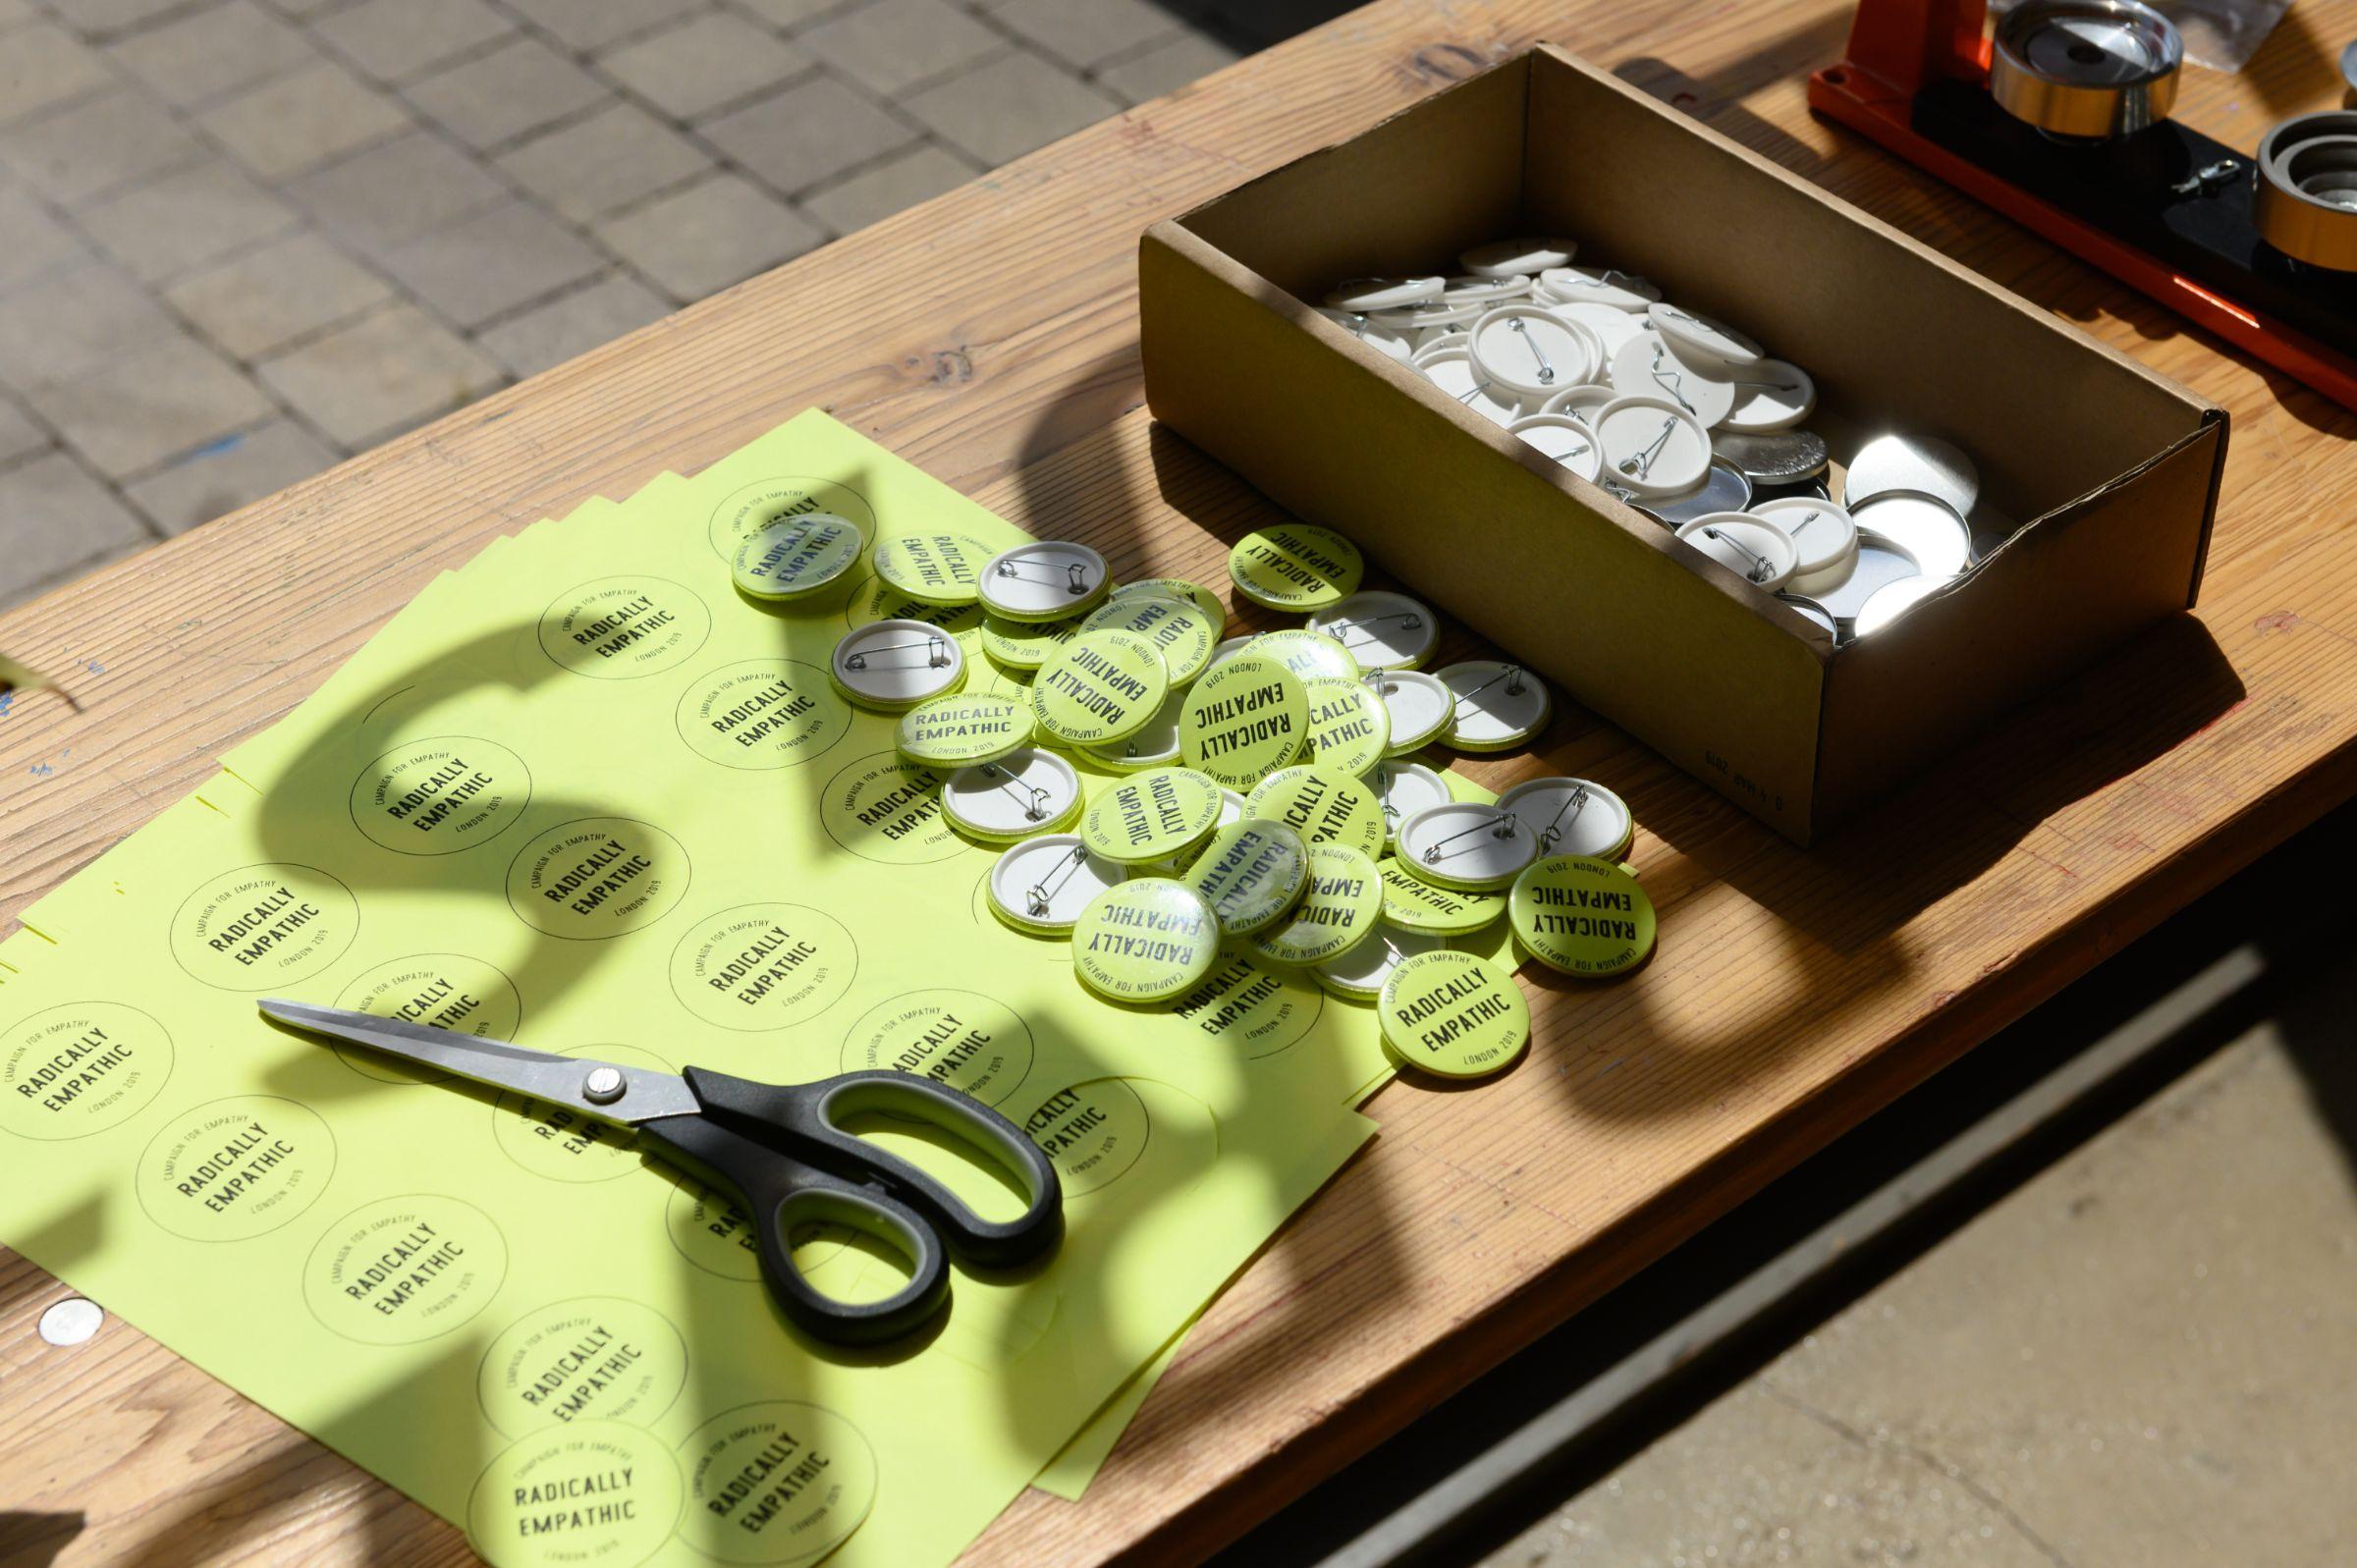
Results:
[603, 1086]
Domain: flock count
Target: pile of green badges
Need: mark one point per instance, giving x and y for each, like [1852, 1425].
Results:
[1265, 798]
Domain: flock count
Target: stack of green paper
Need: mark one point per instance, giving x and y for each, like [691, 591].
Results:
[581, 794]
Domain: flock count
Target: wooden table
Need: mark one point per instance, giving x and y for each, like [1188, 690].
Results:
[990, 337]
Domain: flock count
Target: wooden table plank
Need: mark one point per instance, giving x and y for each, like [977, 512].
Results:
[990, 336]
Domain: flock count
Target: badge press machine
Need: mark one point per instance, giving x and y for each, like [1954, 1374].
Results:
[2059, 120]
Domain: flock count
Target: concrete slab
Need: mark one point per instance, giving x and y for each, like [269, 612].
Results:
[2146, 1355]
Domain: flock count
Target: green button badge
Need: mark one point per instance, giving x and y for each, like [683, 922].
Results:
[1311, 655]
[1101, 687]
[1177, 628]
[935, 568]
[1178, 589]
[1253, 875]
[1152, 746]
[1146, 939]
[1411, 902]
[1247, 717]
[1450, 1014]
[1152, 816]
[796, 556]
[1296, 566]
[1349, 728]
[1324, 805]
[1582, 916]
[1025, 645]
[966, 727]
[1340, 910]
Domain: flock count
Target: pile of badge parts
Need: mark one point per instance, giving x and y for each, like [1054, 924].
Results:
[1688, 421]
[1270, 798]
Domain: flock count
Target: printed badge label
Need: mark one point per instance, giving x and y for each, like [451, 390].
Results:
[775, 1482]
[764, 713]
[1093, 1132]
[763, 966]
[754, 508]
[440, 795]
[596, 1358]
[261, 926]
[974, 1044]
[235, 1168]
[888, 809]
[72, 1070]
[399, 1271]
[619, 628]
[599, 1494]
[597, 877]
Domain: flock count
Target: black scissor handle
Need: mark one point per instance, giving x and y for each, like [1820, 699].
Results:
[779, 1194]
[809, 1116]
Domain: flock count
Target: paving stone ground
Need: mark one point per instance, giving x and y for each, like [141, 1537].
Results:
[2143, 1358]
[241, 240]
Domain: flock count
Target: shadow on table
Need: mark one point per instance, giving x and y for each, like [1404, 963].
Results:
[34, 1539]
[1245, 25]
[1850, 911]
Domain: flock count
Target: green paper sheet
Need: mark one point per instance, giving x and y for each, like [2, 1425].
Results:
[583, 795]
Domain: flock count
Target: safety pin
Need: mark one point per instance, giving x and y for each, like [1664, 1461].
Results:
[1794, 530]
[1761, 570]
[1513, 686]
[1603, 281]
[937, 657]
[1545, 371]
[1035, 809]
[1075, 573]
[1410, 619]
[1502, 826]
[1036, 896]
[1575, 802]
[1641, 463]
[1679, 378]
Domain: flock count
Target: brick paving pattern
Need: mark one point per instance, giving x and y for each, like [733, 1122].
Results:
[241, 240]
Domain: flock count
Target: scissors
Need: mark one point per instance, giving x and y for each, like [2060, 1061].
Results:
[780, 1150]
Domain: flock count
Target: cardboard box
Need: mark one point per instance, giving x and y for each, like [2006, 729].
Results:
[2114, 468]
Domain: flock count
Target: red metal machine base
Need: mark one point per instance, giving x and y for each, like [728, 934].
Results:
[1899, 46]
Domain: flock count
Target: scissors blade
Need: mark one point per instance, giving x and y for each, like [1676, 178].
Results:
[637, 1095]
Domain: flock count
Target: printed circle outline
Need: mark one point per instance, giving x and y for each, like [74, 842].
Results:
[326, 963]
[956, 843]
[506, 1256]
[139, 1191]
[351, 796]
[686, 873]
[686, 1473]
[658, 1313]
[850, 980]
[171, 1063]
[540, 627]
[810, 485]
[820, 689]
[851, 1040]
